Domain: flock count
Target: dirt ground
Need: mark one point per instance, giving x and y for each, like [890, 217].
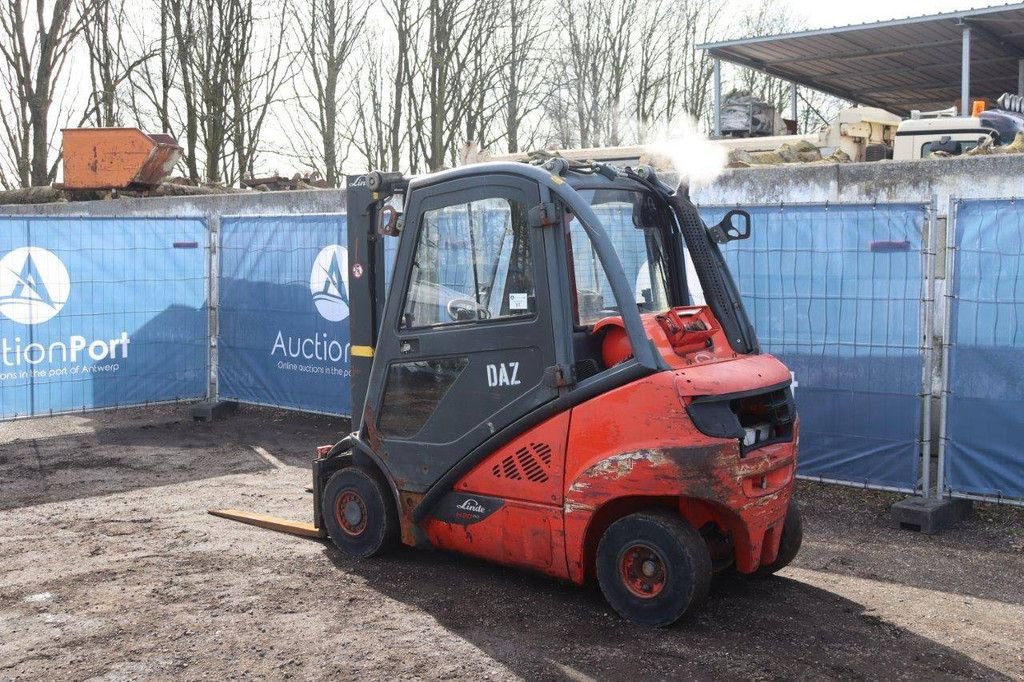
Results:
[111, 569]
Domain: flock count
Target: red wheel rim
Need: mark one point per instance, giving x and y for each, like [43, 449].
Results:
[642, 571]
[350, 512]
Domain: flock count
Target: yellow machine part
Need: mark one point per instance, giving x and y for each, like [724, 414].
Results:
[307, 530]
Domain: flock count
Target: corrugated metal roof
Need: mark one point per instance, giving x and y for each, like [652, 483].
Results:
[898, 65]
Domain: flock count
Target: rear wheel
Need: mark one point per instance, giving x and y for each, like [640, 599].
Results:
[653, 568]
[789, 543]
[358, 512]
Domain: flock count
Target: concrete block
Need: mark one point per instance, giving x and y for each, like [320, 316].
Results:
[932, 515]
[212, 410]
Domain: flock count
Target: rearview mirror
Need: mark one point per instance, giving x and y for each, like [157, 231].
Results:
[645, 212]
[727, 229]
[389, 221]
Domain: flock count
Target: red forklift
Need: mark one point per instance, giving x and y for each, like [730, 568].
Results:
[525, 402]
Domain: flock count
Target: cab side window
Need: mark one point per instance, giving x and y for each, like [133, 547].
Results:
[472, 263]
[640, 252]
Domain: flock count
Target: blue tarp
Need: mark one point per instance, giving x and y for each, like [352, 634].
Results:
[835, 293]
[284, 332]
[984, 454]
[101, 312]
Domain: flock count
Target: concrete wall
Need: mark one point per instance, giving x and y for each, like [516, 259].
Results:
[885, 181]
[241, 203]
[888, 181]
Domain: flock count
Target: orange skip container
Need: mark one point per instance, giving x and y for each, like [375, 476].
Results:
[117, 158]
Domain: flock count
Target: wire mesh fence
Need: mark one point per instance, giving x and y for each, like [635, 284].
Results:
[838, 293]
[100, 313]
[981, 457]
[283, 312]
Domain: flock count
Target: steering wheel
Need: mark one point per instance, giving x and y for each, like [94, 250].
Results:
[463, 309]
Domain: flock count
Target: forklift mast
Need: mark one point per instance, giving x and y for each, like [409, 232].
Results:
[366, 276]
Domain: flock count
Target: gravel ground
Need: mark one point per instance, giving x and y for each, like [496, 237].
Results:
[111, 569]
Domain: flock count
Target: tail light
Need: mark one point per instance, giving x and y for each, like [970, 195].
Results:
[755, 418]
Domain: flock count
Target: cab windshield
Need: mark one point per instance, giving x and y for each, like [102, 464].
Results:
[634, 225]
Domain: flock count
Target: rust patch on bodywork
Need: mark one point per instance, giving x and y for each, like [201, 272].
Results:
[712, 483]
[409, 528]
[623, 465]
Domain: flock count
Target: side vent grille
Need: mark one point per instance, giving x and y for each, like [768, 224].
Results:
[527, 464]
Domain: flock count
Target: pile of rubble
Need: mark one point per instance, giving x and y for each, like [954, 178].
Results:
[986, 147]
[795, 152]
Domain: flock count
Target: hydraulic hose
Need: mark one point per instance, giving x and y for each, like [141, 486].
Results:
[720, 290]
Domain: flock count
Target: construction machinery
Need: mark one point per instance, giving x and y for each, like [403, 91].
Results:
[860, 133]
[522, 400]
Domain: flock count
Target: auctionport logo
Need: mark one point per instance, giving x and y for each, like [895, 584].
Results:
[34, 285]
[329, 283]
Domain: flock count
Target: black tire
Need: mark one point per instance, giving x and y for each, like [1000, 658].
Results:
[358, 513]
[658, 593]
[789, 544]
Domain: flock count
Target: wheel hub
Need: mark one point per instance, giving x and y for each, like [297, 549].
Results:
[350, 512]
[642, 571]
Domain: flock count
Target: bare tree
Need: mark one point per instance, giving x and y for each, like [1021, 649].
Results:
[767, 20]
[111, 61]
[653, 44]
[620, 19]
[386, 110]
[257, 76]
[687, 72]
[150, 86]
[456, 32]
[17, 128]
[328, 32]
[521, 74]
[213, 47]
[34, 51]
[478, 74]
[372, 132]
[581, 75]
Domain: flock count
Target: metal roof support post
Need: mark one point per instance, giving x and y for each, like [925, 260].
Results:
[792, 101]
[716, 101]
[965, 71]
[1020, 77]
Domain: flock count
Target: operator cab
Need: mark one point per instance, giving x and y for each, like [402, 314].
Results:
[519, 290]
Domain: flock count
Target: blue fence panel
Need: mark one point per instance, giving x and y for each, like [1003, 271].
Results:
[835, 292]
[101, 312]
[15, 381]
[284, 333]
[986, 374]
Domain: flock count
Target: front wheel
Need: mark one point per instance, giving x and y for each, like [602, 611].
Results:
[358, 512]
[653, 568]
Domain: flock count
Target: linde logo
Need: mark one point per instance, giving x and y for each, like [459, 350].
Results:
[34, 285]
[472, 505]
[329, 283]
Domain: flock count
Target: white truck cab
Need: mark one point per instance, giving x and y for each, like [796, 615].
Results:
[942, 131]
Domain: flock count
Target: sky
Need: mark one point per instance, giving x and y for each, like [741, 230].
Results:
[829, 13]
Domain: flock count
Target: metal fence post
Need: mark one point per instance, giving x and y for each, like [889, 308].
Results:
[716, 115]
[928, 300]
[947, 342]
[213, 289]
